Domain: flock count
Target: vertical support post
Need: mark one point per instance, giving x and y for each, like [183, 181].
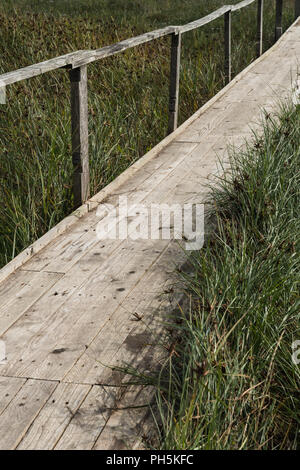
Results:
[174, 81]
[2, 92]
[227, 34]
[297, 9]
[260, 26]
[278, 27]
[79, 118]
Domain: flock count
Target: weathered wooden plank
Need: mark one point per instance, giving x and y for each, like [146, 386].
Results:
[128, 424]
[22, 410]
[60, 247]
[260, 26]
[37, 69]
[54, 417]
[89, 420]
[257, 87]
[227, 44]
[103, 350]
[65, 255]
[70, 331]
[38, 245]
[15, 303]
[206, 19]
[9, 387]
[107, 51]
[81, 332]
[174, 82]
[137, 341]
[124, 427]
[278, 26]
[239, 120]
[35, 335]
[272, 64]
[30, 331]
[205, 123]
[80, 147]
[240, 5]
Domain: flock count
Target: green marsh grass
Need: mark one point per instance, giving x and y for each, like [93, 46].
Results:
[230, 382]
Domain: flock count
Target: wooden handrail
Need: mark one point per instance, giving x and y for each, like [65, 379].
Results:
[77, 63]
[86, 57]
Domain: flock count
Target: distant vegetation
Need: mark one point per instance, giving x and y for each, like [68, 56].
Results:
[128, 97]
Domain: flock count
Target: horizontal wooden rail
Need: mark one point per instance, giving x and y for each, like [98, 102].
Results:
[86, 57]
[38, 69]
[206, 19]
[77, 61]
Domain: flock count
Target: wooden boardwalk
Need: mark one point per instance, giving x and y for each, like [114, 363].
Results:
[71, 306]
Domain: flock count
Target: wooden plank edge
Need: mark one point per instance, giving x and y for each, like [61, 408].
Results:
[108, 190]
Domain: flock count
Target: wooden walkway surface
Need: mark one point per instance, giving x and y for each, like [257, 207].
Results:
[73, 307]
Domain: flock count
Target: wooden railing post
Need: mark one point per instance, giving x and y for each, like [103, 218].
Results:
[79, 117]
[297, 9]
[227, 38]
[260, 26]
[278, 27]
[174, 81]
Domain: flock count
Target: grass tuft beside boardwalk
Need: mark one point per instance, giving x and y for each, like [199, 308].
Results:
[128, 95]
[230, 381]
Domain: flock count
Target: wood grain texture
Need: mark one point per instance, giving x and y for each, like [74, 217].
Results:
[22, 410]
[89, 420]
[54, 417]
[9, 387]
[38, 69]
[80, 145]
[14, 302]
